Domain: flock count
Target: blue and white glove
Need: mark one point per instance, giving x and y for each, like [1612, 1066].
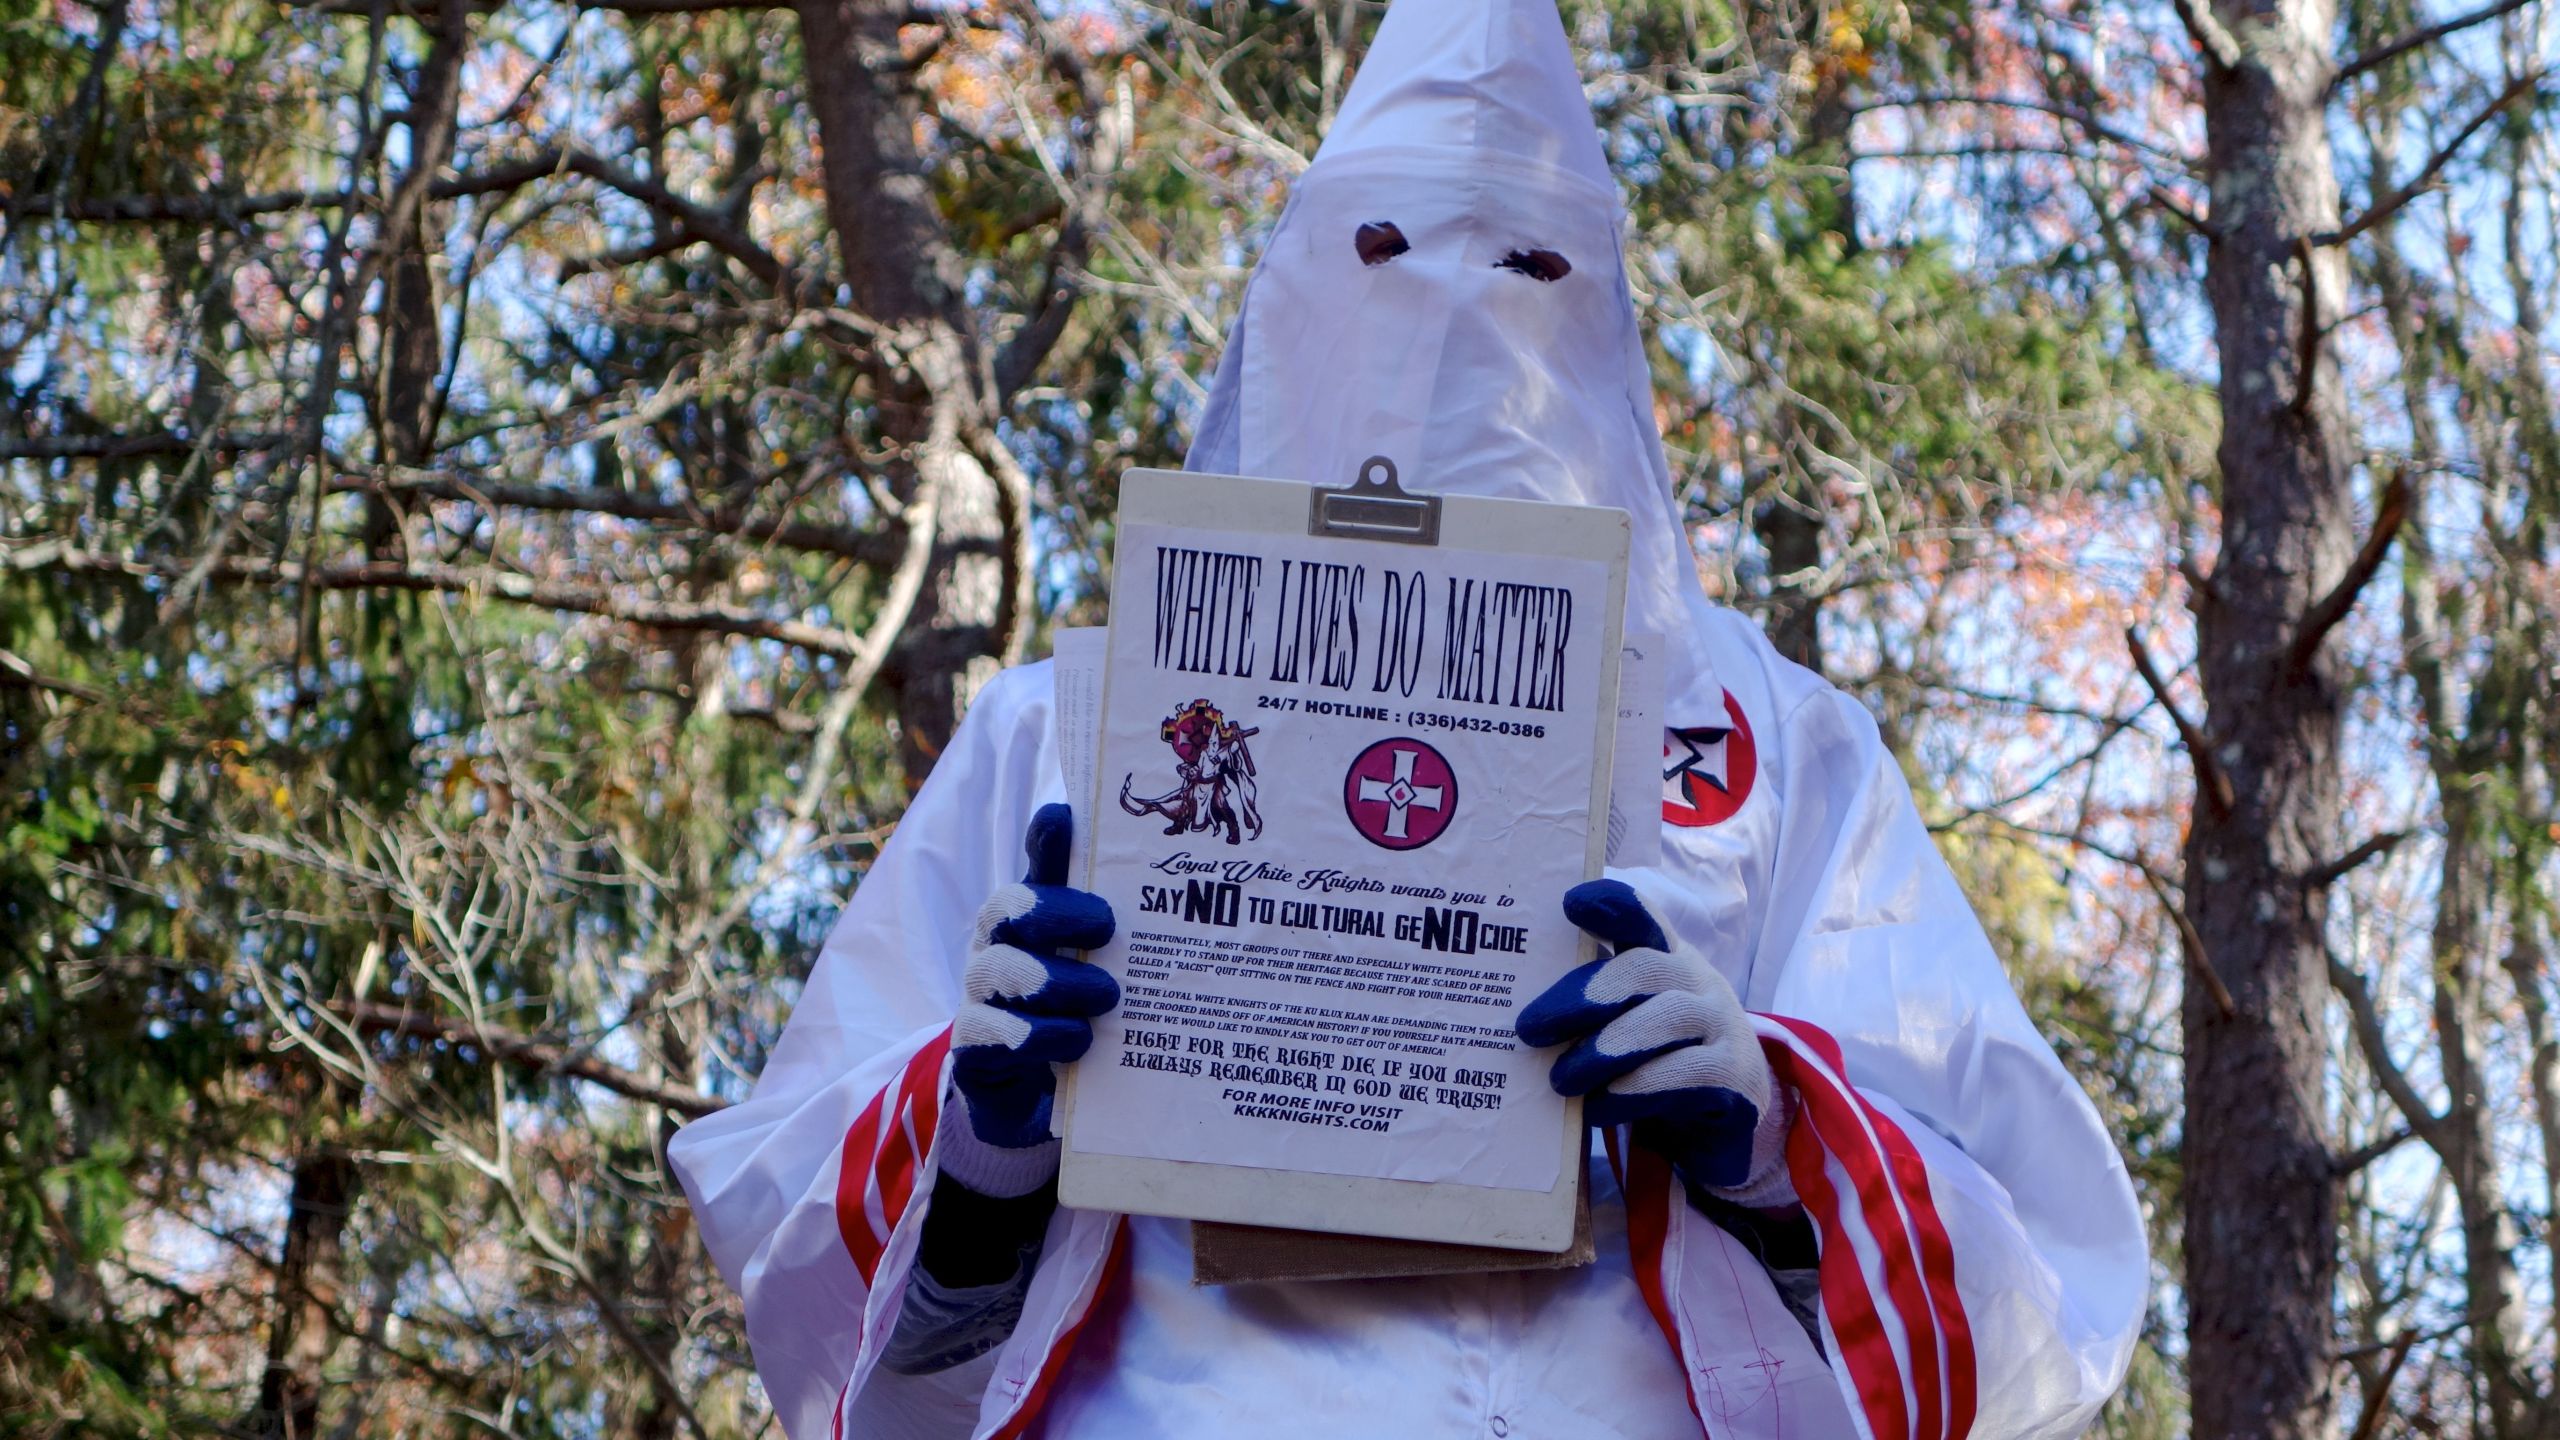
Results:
[1660, 1041]
[1030, 1008]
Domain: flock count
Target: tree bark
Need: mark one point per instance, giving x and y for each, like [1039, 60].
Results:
[670, 1256]
[2466, 1140]
[935, 390]
[2260, 1189]
[1789, 522]
[2528, 967]
[1789, 527]
[310, 1277]
[412, 336]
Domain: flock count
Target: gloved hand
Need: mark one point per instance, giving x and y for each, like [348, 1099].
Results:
[1661, 1042]
[1030, 1005]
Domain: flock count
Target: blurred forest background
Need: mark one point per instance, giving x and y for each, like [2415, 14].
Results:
[501, 502]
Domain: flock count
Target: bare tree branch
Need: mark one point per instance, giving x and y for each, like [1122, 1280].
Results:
[2213, 786]
[156, 207]
[483, 7]
[1029, 346]
[2081, 119]
[2309, 333]
[2367, 1023]
[2221, 50]
[2336, 870]
[680, 7]
[2191, 944]
[495, 1166]
[2376, 1389]
[880, 545]
[2372, 1150]
[134, 447]
[2526, 963]
[1968, 152]
[623, 257]
[898, 605]
[2186, 214]
[516, 1048]
[2332, 608]
[2391, 50]
[2384, 208]
[15, 670]
[698, 221]
[918, 15]
[595, 599]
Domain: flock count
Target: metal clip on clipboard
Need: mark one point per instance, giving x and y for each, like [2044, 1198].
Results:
[1374, 507]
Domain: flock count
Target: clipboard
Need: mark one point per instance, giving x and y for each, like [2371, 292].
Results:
[1374, 510]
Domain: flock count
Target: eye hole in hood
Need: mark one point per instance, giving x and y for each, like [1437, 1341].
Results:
[1541, 265]
[1378, 242]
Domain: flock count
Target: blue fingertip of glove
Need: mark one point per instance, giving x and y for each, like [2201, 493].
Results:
[1563, 1011]
[1064, 918]
[1611, 910]
[1060, 919]
[1049, 842]
[1585, 1067]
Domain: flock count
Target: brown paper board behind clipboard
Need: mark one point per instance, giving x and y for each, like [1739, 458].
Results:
[1223, 1254]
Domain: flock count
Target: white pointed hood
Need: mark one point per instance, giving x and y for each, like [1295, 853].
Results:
[1491, 76]
[1480, 333]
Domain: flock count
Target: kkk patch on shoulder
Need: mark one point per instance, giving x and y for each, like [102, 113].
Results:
[1707, 770]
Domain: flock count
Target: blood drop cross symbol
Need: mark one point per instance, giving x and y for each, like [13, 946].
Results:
[1400, 794]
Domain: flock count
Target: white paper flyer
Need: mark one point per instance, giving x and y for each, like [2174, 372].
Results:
[1342, 790]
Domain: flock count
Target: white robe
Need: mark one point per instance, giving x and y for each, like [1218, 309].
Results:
[1983, 1262]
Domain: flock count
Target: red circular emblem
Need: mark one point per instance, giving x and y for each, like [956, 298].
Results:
[1707, 770]
[1400, 794]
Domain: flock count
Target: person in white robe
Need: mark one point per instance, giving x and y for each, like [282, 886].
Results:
[1908, 1223]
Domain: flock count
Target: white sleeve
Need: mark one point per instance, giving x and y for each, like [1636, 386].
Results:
[810, 1194]
[1971, 1205]
[812, 1211]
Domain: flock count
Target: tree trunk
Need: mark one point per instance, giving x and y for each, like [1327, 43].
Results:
[2260, 1190]
[411, 362]
[309, 1280]
[1789, 527]
[1789, 523]
[2493, 1301]
[935, 394]
[658, 1291]
[2528, 967]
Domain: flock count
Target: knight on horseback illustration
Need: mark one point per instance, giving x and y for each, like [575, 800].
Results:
[1216, 789]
